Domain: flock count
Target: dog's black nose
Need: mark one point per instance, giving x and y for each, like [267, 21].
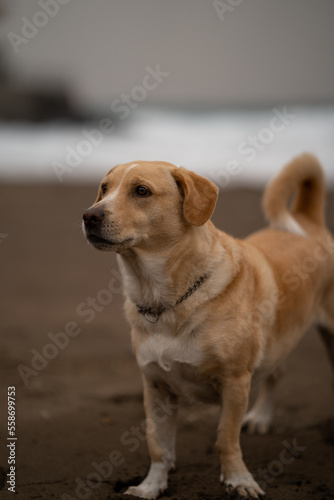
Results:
[93, 217]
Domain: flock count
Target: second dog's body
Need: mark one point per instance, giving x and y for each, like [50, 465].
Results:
[208, 312]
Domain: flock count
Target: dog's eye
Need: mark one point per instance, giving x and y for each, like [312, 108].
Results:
[142, 191]
[104, 188]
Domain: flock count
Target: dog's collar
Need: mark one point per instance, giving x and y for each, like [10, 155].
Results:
[152, 314]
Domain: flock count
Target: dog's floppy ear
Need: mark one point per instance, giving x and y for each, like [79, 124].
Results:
[200, 196]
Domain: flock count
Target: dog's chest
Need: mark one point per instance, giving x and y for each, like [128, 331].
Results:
[175, 362]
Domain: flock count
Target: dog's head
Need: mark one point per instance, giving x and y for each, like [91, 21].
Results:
[147, 204]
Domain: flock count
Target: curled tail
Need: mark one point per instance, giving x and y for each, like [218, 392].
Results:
[302, 178]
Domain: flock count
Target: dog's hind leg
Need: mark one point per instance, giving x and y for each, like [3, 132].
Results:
[327, 336]
[259, 419]
[325, 324]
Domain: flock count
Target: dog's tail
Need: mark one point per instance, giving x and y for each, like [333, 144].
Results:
[302, 178]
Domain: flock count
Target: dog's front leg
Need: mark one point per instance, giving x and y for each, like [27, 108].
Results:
[161, 414]
[234, 473]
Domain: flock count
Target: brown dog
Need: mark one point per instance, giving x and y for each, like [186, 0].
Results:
[208, 312]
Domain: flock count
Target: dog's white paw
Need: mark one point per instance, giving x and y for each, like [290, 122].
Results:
[143, 491]
[154, 483]
[244, 485]
[256, 422]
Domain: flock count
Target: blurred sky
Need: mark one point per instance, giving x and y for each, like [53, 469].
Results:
[215, 69]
